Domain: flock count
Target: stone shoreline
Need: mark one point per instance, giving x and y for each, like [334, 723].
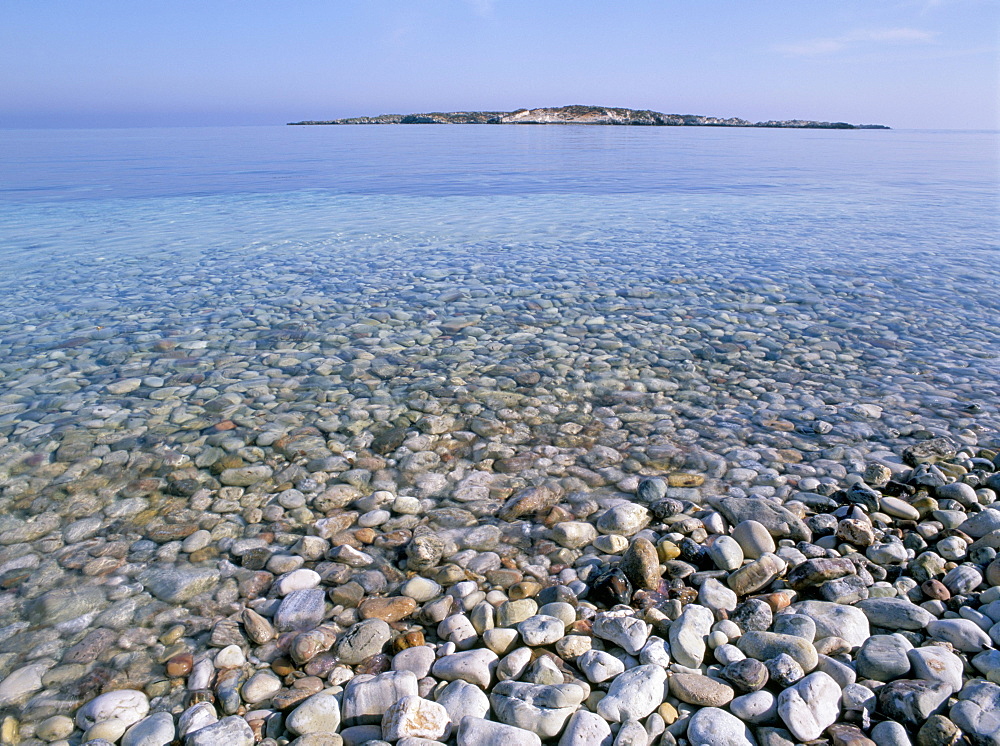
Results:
[859, 610]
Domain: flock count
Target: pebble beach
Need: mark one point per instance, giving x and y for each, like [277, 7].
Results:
[587, 470]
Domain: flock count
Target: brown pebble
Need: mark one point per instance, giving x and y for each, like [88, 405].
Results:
[365, 535]
[387, 609]
[256, 585]
[935, 589]
[524, 589]
[311, 684]
[393, 539]
[180, 665]
[282, 666]
[375, 664]
[198, 696]
[685, 480]
[321, 665]
[504, 578]
[286, 699]
[257, 728]
[778, 600]
[412, 639]
[204, 555]
[557, 515]
[843, 734]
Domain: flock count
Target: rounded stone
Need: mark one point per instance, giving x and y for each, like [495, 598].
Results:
[700, 690]
[155, 730]
[126, 705]
[541, 630]
[754, 539]
[725, 552]
[363, 640]
[711, 726]
[810, 705]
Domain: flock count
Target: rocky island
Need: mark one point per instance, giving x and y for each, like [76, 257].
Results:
[587, 115]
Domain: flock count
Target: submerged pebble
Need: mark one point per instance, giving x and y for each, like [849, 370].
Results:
[499, 501]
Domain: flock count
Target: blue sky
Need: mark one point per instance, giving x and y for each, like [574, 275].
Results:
[906, 63]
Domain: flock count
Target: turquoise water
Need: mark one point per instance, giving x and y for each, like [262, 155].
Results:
[112, 216]
[883, 241]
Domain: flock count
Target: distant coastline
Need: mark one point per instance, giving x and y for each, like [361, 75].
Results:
[596, 115]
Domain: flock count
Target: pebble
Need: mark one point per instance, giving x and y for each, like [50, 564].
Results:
[623, 629]
[725, 552]
[584, 728]
[935, 663]
[155, 730]
[895, 613]
[754, 539]
[633, 694]
[232, 731]
[836, 620]
[260, 687]
[688, 635]
[884, 658]
[700, 690]
[711, 726]
[912, 701]
[22, 683]
[641, 564]
[127, 706]
[479, 732]
[541, 630]
[766, 645]
[755, 707]
[976, 712]
[890, 733]
[363, 640]
[366, 699]
[963, 634]
[810, 705]
[415, 717]
[599, 666]
[541, 708]
[462, 699]
[474, 666]
[300, 610]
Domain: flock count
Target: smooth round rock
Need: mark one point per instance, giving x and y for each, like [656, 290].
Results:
[711, 726]
[754, 539]
[155, 730]
[810, 705]
[127, 705]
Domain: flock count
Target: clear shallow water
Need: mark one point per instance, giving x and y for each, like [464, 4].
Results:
[714, 290]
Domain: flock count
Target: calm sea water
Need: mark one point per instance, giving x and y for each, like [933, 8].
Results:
[103, 231]
[81, 209]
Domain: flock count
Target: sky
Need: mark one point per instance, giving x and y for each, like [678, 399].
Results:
[99, 63]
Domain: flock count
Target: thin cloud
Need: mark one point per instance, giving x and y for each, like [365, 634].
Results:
[482, 8]
[834, 44]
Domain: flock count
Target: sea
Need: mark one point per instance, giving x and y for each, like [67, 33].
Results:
[203, 331]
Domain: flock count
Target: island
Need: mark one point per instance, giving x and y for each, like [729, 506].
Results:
[587, 115]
